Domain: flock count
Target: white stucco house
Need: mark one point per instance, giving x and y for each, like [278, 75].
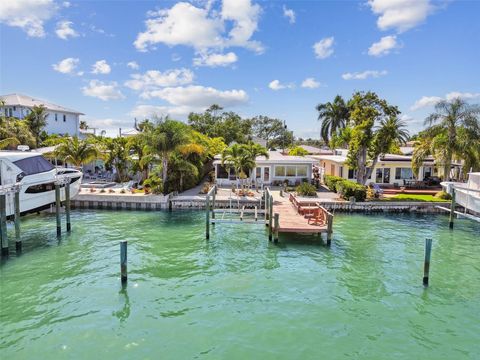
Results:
[60, 120]
[272, 171]
[391, 169]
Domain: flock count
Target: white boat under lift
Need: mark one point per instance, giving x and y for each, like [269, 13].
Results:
[466, 195]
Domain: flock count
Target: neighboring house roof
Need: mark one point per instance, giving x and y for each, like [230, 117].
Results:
[314, 150]
[276, 157]
[28, 101]
[334, 158]
[130, 132]
[406, 150]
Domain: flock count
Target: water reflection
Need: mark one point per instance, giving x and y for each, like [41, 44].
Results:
[124, 312]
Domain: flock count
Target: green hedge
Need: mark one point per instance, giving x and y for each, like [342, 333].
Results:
[346, 188]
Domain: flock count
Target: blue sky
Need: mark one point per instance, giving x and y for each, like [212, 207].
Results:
[116, 60]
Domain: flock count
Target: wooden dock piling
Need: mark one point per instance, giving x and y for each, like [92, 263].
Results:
[452, 209]
[270, 218]
[18, 240]
[123, 261]
[3, 224]
[277, 226]
[57, 210]
[426, 264]
[267, 196]
[329, 228]
[214, 192]
[207, 217]
[67, 205]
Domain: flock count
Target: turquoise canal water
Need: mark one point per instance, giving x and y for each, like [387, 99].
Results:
[238, 296]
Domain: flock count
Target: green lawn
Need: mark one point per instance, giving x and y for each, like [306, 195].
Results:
[412, 197]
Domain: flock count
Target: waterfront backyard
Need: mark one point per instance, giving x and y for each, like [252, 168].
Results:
[238, 296]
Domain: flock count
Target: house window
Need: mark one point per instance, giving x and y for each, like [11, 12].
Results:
[352, 174]
[64, 117]
[341, 172]
[332, 169]
[10, 112]
[403, 173]
[279, 170]
[56, 117]
[291, 171]
[258, 173]
[6, 112]
[14, 108]
[302, 170]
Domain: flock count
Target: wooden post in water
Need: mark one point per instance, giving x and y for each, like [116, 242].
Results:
[265, 193]
[123, 261]
[207, 216]
[67, 205]
[426, 264]
[277, 226]
[452, 209]
[3, 224]
[18, 240]
[214, 192]
[57, 210]
[270, 217]
[329, 228]
[170, 206]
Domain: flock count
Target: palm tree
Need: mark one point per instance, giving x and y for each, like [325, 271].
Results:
[83, 125]
[11, 141]
[449, 119]
[141, 156]
[164, 139]
[77, 152]
[37, 120]
[334, 117]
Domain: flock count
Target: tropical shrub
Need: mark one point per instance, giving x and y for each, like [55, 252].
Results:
[347, 189]
[154, 183]
[306, 189]
[443, 195]
[331, 182]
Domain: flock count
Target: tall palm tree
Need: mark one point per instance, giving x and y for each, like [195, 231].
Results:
[37, 120]
[446, 123]
[334, 117]
[77, 152]
[164, 139]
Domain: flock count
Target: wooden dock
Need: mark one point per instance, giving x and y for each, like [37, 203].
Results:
[290, 221]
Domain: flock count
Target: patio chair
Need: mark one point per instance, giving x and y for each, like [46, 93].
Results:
[316, 217]
[378, 190]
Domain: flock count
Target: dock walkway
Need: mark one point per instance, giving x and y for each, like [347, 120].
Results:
[290, 221]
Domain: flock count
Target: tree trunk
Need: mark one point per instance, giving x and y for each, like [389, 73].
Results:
[368, 173]
[361, 166]
[164, 170]
[447, 166]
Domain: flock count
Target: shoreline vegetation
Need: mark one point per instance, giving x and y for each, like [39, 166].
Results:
[167, 155]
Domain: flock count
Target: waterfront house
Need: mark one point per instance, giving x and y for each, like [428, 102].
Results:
[391, 169]
[60, 120]
[272, 171]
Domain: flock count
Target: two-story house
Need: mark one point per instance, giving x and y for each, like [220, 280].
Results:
[60, 120]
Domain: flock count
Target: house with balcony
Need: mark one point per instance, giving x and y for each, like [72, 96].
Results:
[60, 120]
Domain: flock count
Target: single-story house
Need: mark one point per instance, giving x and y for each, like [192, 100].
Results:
[391, 169]
[272, 171]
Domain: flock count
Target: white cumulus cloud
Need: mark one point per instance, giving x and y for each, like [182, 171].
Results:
[384, 46]
[364, 75]
[202, 28]
[67, 66]
[428, 101]
[277, 85]
[103, 90]
[64, 30]
[29, 15]
[289, 14]
[153, 80]
[400, 15]
[324, 48]
[101, 67]
[133, 65]
[310, 83]
[214, 60]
